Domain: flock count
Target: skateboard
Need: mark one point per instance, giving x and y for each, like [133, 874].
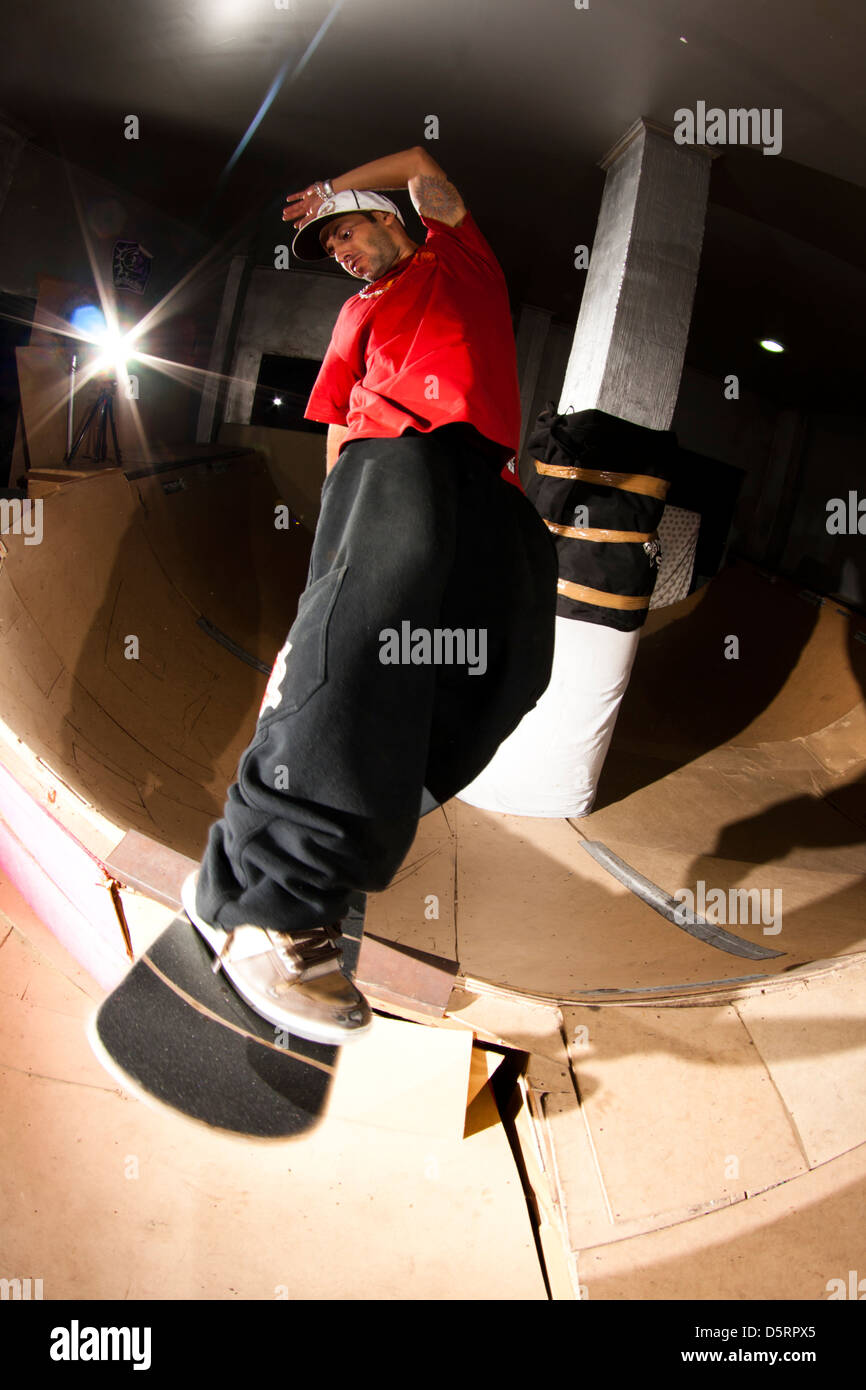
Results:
[176, 1033]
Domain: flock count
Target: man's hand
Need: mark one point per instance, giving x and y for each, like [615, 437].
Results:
[301, 206]
[336, 435]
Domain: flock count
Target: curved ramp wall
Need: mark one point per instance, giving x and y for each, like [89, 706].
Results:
[137, 636]
[736, 772]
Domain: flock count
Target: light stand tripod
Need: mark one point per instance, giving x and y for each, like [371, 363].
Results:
[102, 411]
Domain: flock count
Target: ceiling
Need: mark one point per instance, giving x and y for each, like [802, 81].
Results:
[528, 96]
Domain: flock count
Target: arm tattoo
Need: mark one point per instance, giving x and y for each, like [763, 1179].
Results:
[436, 196]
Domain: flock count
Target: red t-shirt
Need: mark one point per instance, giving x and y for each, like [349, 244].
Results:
[436, 347]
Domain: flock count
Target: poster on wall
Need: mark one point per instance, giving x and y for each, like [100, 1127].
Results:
[130, 266]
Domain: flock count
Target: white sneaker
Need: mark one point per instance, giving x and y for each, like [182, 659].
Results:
[295, 982]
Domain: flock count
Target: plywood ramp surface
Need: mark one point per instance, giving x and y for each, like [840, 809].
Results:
[106, 1199]
[796, 1241]
[150, 733]
[522, 905]
[745, 773]
[741, 774]
[800, 666]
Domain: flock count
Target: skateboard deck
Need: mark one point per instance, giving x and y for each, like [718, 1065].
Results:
[175, 1032]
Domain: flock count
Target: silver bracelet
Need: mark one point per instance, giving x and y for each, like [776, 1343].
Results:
[328, 187]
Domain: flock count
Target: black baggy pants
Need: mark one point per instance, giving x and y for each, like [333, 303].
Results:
[417, 535]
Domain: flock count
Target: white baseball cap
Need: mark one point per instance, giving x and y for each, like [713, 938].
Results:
[306, 245]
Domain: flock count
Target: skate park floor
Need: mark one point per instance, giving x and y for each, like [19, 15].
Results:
[696, 1097]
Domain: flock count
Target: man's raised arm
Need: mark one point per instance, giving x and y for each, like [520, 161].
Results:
[429, 188]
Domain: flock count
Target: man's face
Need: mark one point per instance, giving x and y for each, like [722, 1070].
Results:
[364, 249]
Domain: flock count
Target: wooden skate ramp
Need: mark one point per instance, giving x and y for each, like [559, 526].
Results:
[743, 772]
[136, 638]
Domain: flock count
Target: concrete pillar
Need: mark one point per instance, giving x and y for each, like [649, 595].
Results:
[626, 359]
[630, 339]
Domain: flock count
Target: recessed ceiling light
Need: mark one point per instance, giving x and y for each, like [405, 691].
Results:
[683, 38]
[278, 400]
[770, 345]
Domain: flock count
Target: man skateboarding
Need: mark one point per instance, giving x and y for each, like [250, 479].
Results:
[425, 631]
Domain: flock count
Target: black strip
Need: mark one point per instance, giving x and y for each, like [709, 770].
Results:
[667, 906]
[208, 627]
